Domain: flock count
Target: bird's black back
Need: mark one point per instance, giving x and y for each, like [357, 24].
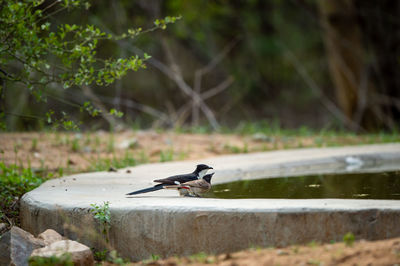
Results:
[179, 178]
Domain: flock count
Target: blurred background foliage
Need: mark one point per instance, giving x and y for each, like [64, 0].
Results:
[321, 64]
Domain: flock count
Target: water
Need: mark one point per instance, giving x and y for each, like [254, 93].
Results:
[384, 185]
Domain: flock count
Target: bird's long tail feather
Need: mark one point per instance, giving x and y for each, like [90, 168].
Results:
[150, 189]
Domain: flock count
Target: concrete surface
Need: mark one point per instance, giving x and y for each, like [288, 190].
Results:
[163, 223]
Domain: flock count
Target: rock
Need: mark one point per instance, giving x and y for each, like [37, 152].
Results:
[87, 149]
[5, 251]
[80, 254]
[16, 246]
[262, 137]
[71, 162]
[50, 236]
[128, 143]
[3, 228]
[280, 252]
[22, 245]
[112, 169]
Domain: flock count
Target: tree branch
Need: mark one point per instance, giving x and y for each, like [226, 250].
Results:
[99, 105]
[182, 85]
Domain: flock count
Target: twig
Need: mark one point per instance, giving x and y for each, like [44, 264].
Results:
[128, 103]
[362, 97]
[99, 105]
[182, 85]
[387, 100]
[195, 105]
[217, 59]
[218, 89]
[202, 71]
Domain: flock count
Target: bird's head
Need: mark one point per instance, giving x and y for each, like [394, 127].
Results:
[208, 177]
[201, 170]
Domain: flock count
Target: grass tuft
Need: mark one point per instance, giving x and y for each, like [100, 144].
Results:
[14, 182]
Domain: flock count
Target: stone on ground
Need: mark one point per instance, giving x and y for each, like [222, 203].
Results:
[5, 248]
[50, 236]
[80, 254]
[16, 246]
[3, 228]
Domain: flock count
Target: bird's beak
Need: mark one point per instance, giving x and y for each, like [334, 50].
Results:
[210, 168]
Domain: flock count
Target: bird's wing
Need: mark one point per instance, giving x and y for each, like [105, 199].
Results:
[203, 184]
[196, 183]
[189, 184]
[177, 178]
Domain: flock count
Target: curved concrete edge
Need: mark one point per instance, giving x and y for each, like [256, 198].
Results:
[172, 226]
[162, 223]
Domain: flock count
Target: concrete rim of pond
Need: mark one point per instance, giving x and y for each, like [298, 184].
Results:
[163, 223]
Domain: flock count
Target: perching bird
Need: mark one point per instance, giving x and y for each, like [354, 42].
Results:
[195, 187]
[199, 173]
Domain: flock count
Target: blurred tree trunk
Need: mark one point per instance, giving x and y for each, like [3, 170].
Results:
[345, 53]
[379, 21]
[347, 26]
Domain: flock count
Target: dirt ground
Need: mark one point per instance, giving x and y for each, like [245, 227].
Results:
[386, 252]
[63, 153]
[77, 152]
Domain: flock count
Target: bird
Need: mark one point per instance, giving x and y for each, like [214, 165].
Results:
[198, 173]
[195, 188]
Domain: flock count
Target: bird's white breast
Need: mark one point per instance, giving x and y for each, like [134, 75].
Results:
[202, 173]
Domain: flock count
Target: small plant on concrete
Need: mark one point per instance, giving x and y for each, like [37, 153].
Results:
[102, 215]
[348, 239]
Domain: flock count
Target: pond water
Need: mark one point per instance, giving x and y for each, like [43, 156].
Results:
[384, 185]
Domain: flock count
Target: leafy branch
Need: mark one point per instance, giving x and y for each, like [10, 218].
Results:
[37, 54]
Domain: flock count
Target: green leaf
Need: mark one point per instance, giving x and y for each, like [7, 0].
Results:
[116, 113]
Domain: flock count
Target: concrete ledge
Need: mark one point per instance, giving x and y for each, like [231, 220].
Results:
[162, 223]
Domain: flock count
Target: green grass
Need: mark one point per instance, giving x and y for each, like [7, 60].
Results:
[34, 145]
[201, 257]
[14, 182]
[111, 144]
[129, 159]
[153, 258]
[325, 137]
[75, 145]
[349, 239]
[236, 149]
[64, 260]
[167, 155]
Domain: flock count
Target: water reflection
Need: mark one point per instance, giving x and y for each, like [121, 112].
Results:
[348, 186]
